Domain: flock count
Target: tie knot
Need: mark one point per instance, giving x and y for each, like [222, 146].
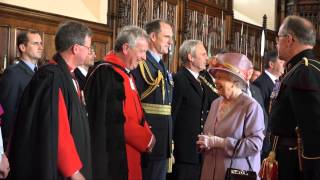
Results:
[162, 66]
[35, 69]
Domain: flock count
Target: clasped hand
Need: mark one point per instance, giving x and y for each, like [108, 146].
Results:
[206, 142]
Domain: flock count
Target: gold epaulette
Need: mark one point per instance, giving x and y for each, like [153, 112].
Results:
[306, 61]
[153, 83]
[311, 62]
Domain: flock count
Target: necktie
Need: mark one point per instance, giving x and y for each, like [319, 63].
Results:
[163, 69]
[274, 94]
[35, 69]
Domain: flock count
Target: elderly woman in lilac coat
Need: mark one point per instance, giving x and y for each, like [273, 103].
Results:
[233, 116]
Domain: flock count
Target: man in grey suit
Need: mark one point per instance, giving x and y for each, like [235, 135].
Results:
[17, 76]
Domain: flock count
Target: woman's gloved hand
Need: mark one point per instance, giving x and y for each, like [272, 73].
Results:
[206, 142]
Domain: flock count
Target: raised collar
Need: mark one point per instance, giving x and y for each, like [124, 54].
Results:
[308, 53]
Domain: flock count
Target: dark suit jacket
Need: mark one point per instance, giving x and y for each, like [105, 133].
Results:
[190, 106]
[256, 94]
[265, 84]
[12, 84]
[80, 78]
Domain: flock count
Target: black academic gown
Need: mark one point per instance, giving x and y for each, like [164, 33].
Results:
[104, 94]
[33, 146]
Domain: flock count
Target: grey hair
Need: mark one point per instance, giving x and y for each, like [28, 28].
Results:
[301, 28]
[71, 33]
[239, 83]
[129, 34]
[188, 47]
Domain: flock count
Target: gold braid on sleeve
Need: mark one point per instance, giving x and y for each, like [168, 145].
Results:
[153, 83]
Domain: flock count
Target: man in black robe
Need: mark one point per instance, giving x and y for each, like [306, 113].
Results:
[297, 103]
[51, 137]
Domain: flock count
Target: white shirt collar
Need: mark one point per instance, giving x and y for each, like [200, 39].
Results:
[194, 74]
[83, 70]
[155, 56]
[272, 77]
[30, 65]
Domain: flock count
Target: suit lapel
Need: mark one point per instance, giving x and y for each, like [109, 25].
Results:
[194, 83]
[253, 92]
[268, 80]
[25, 68]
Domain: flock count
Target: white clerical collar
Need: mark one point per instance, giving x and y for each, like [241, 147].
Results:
[272, 77]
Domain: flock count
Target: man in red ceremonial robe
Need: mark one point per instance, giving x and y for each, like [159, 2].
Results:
[51, 138]
[119, 132]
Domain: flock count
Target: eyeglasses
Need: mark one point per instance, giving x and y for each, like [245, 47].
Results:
[90, 49]
[280, 36]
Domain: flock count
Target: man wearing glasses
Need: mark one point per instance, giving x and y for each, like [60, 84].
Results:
[82, 70]
[51, 137]
[294, 116]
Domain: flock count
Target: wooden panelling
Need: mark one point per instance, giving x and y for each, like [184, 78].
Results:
[14, 19]
[101, 49]
[247, 40]
[4, 48]
[50, 49]
[210, 21]
[308, 9]
[139, 12]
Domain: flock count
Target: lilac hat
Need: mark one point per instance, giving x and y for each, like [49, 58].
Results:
[235, 63]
